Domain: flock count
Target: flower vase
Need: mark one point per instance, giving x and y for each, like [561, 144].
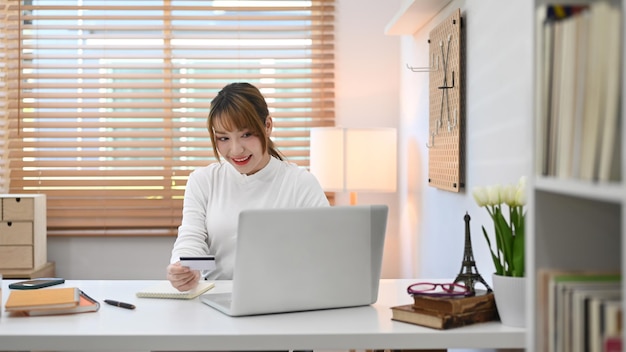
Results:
[510, 295]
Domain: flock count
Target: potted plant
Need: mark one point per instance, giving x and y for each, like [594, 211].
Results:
[508, 256]
[505, 205]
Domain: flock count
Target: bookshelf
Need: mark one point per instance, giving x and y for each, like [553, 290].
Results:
[576, 223]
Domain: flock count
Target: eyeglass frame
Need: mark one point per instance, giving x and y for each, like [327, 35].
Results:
[467, 291]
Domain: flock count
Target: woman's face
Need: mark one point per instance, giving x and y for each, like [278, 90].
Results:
[243, 149]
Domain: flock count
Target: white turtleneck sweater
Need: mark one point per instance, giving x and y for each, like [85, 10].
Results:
[216, 194]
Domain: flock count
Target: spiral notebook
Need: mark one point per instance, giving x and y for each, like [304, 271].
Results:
[165, 290]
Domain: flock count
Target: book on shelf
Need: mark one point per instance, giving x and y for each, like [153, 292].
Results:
[409, 314]
[560, 86]
[582, 46]
[590, 138]
[543, 79]
[602, 310]
[544, 277]
[564, 138]
[566, 323]
[611, 315]
[86, 304]
[44, 298]
[561, 288]
[578, 83]
[482, 300]
[586, 329]
[613, 343]
[164, 289]
[554, 93]
[608, 163]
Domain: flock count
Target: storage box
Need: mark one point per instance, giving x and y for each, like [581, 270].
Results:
[23, 243]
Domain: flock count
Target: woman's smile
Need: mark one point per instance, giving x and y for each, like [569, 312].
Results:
[242, 160]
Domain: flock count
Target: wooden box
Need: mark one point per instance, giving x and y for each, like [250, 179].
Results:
[23, 242]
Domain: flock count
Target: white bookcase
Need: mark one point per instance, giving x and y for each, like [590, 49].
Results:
[572, 224]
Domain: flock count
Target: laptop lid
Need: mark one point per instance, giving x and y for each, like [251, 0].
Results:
[305, 259]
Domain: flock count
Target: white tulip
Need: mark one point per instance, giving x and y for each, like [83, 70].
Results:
[480, 196]
[508, 222]
[494, 195]
[508, 194]
[520, 196]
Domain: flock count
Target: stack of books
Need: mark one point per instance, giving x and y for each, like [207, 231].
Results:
[580, 311]
[447, 312]
[50, 301]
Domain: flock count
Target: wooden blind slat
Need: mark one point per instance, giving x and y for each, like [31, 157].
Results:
[103, 107]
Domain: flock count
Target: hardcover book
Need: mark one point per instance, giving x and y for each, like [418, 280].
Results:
[560, 309]
[409, 314]
[86, 304]
[483, 300]
[613, 343]
[45, 298]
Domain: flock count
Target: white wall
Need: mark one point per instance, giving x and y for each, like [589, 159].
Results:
[110, 257]
[368, 74]
[425, 234]
[498, 121]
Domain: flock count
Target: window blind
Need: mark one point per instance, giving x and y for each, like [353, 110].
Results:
[104, 102]
[8, 35]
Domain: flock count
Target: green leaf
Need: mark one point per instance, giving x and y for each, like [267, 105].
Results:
[496, 259]
[505, 244]
[508, 254]
[518, 255]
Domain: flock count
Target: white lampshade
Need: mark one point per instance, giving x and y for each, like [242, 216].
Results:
[354, 159]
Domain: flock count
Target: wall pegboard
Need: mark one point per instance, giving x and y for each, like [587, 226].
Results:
[446, 108]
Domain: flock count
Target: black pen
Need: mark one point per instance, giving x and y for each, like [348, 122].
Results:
[119, 304]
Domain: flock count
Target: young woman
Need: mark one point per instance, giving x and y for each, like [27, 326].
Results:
[252, 174]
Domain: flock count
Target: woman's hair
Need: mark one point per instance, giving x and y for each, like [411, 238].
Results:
[237, 107]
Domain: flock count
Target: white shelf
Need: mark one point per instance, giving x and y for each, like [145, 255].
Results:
[608, 192]
[413, 15]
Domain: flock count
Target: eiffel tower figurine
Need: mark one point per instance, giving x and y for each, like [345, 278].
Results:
[469, 273]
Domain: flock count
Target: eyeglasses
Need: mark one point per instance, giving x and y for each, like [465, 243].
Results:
[439, 290]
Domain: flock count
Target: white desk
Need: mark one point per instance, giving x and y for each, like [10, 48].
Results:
[161, 324]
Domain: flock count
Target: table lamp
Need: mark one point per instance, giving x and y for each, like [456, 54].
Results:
[354, 159]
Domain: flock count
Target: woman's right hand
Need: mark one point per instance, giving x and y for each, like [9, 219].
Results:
[181, 277]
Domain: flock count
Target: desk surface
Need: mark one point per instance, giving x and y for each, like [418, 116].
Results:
[164, 324]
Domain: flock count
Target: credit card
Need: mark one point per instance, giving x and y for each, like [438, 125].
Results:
[199, 263]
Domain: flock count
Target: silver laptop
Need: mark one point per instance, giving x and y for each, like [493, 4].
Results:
[302, 259]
